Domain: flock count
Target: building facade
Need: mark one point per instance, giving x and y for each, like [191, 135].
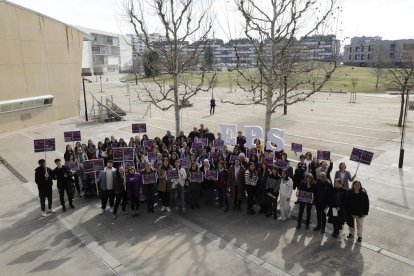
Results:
[101, 54]
[40, 68]
[371, 51]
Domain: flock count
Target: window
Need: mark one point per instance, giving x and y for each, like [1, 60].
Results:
[369, 56]
[349, 57]
[370, 48]
[25, 103]
[392, 55]
[350, 49]
[392, 47]
[362, 57]
[363, 48]
[357, 49]
[357, 57]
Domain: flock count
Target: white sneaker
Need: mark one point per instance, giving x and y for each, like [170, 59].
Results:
[111, 209]
[102, 212]
[51, 211]
[162, 208]
[168, 209]
[43, 214]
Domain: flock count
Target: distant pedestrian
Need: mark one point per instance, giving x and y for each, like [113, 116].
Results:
[43, 179]
[212, 105]
[357, 207]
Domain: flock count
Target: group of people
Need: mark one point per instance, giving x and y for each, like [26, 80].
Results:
[261, 178]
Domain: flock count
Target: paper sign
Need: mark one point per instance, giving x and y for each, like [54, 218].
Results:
[197, 146]
[150, 178]
[98, 164]
[128, 154]
[173, 174]
[50, 144]
[269, 161]
[306, 197]
[218, 143]
[128, 164]
[118, 154]
[72, 136]
[39, 145]
[89, 176]
[73, 166]
[233, 157]
[212, 175]
[296, 147]
[67, 135]
[185, 163]
[147, 143]
[323, 155]
[139, 128]
[213, 156]
[203, 141]
[141, 166]
[196, 177]
[359, 155]
[249, 152]
[334, 212]
[152, 156]
[281, 164]
[87, 165]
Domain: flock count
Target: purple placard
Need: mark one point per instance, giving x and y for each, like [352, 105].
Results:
[150, 178]
[139, 128]
[249, 152]
[233, 157]
[140, 166]
[152, 156]
[185, 163]
[218, 143]
[296, 147]
[98, 164]
[128, 164]
[128, 154]
[306, 197]
[203, 141]
[87, 165]
[157, 165]
[67, 135]
[268, 160]
[281, 164]
[73, 166]
[172, 174]
[39, 145]
[76, 136]
[323, 155]
[89, 176]
[213, 156]
[212, 175]
[197, 146]
[359, 155]
[147, 143]
[50, 144]
[118, 154]
[196, 177]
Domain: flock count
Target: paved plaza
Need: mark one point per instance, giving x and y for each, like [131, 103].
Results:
[209, 241]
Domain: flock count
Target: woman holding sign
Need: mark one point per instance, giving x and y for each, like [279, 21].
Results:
[164, 184]
[194, 186]
[305, 199]
[148, 187]
[179, 187]
[344, 175]
[133, 184]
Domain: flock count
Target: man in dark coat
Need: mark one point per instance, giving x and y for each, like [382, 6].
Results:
[321, 198]
[43, 179]
[212, 105]
[64, 183]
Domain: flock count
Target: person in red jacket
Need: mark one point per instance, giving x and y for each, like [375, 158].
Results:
[222, 186]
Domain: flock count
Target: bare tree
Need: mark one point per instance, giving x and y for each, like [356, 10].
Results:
[181, 21]
[379, 64]
[402, 76]
[281, 78]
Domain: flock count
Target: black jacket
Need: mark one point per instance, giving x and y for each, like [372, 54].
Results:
[42, 182]
[357, 204]
[261, 186]
[322, 192]
[59, 175]
[299, 174]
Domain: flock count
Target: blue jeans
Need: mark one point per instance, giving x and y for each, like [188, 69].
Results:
[180, 200]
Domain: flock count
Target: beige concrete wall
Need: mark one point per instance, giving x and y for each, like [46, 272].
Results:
[38, 56]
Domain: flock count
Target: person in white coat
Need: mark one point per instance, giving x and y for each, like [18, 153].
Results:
[286, 188]
[178, 185]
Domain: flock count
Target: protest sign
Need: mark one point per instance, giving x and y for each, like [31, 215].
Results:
[87, 165]
[140, 166]
[212, 175]
[39, 145]
[173, 174]
[306, 197]
[281, 164]
[98, 164]
[203, 141]
[128, 154]
[150, 178]
[196, 177]
[218, 143]
[233, 157]
[147, 143]
[152, 156]
[296, 147]
[118, 154]
[73, 166]
[185, 163]
[362, 156]
[323, 155]
[249, 152]
[197, 146]
[139, 128]
[72, 136]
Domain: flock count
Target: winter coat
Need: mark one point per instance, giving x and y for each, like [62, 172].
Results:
[357, 204]
[299, 174]
[59, 175]
[102, 179]
[42, 182]
[133, 184]
[240, 183]
[222, 179]
[337, 200]
[261, 186]
[119, 185]
[164, 184]
[322, 193]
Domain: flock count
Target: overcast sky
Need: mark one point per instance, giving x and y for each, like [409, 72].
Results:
[390, 19]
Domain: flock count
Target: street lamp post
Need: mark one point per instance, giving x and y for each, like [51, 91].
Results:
[84, 99]
[401, 160]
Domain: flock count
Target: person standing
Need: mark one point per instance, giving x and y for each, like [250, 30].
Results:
[133, 185]
[250, 178]
[164, 185]
[149, 189]
[357, 208]
[272, 191]
[179, 187]
[262, 176]
[120, 191]
[236, 183]
[344, 175]
[321, 196]
[64, 183]
[43, 179]
[194, 188]
[212, 105]
[286, 188]
[307, 185]
[222, 185]
[106, 181]
[336, 211]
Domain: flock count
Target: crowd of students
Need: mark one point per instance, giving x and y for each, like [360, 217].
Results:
[259, 177]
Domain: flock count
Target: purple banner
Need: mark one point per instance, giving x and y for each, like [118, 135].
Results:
[73, 166]
[39, 145]
[140, 166]
[218, 143]
[128, 154]
[323, 155]
[139, 128]
[359, 155]
[196, 177]
[128, 164]
[268, 160]
[281, 164]
[306, 197]
[118, 154]
[197, 146]
[150, 178]
[152, 156]
[98, 164]
[212, 175]
[147, 143]
[87, 165]
[173, 174]
[296, 147]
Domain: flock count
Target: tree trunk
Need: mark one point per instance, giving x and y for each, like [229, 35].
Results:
[376, 83]
[268, 115]
[284, 95]
[401, 107]
[176, 106]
